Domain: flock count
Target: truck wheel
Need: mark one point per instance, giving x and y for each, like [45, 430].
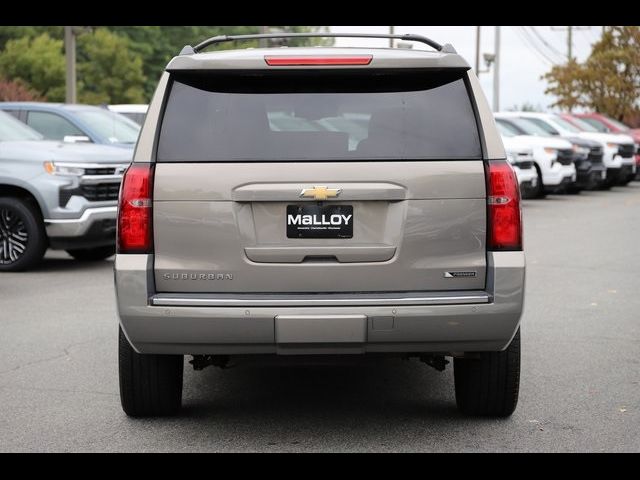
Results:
[624, 181]
[539, 191]
[489, 385]
[150, 385]
[23, 239]
[92, 254]
[573, 189]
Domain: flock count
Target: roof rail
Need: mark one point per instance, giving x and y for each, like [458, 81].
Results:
[189, 50]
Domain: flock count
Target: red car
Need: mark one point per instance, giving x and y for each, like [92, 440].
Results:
[608, 125]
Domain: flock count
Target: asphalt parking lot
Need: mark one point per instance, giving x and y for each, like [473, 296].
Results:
[580, 384]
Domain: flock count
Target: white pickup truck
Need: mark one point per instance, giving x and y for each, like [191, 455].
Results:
[553, 158]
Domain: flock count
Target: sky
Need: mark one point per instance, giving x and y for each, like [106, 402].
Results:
[521, 66]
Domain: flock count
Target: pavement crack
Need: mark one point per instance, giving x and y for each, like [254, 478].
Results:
[63, 390]
[65, 353]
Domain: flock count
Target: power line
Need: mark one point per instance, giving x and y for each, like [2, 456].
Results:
[548, 55]
[533, 43]
[528, 42]
[553, 50]
[570, 45]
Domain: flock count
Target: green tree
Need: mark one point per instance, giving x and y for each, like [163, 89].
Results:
[114, 76]
[108, 71]
[607, 82]
[157, 45]
[38, 63]
[14, 32]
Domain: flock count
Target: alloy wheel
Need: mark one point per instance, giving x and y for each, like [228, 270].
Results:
[13, 236]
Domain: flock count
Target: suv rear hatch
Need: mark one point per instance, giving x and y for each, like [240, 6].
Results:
[318, 181]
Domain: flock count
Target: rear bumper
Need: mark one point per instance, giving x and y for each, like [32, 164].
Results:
[431, 322]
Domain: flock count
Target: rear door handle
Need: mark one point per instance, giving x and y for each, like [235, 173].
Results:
[292, 254]
[291, 192]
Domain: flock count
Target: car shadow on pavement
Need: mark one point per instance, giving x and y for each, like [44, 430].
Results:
[618, 189]
[369, 396]
[59, 264]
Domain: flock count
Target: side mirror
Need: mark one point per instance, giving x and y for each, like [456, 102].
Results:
[76, 139]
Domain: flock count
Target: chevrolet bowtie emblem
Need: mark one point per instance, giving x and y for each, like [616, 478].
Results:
[320, 193]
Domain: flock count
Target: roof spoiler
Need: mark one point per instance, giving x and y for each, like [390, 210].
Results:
[189, 50]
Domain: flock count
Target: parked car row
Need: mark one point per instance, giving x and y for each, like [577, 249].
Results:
[135, 112]
[568, 154]
[61, 167]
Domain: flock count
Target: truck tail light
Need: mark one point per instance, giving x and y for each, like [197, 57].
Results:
[135, 228]
[503, 205]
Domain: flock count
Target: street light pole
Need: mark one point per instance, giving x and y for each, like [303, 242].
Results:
[496, 73]
[478, 50]
[392, 29]
[70, 56]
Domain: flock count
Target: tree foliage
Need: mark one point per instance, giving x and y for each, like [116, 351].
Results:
[37, 62]
[607, 82]
[157, 45]
[16, 91]
[108, 72]
[114, 64]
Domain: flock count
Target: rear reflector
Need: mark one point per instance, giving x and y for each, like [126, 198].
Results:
[503, 203]
[135, 232]
[286, 61]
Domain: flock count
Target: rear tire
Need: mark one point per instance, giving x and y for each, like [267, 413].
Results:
[92, 254]
[23, 239]
[489, 385]
[150, 385]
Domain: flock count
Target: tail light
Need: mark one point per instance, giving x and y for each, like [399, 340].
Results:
[135, 229]
[503, 204]
[285, 61]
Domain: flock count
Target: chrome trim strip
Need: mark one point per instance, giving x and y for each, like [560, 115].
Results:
[75, 227]
[93, 165]
[89, 212]
[100, 178]
[247, 300]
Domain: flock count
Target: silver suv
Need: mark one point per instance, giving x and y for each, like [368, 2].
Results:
[55, 195]
[319, 201]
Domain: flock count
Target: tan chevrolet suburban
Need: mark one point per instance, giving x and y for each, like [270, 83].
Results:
[319, 201]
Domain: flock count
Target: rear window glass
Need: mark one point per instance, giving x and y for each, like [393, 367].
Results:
[298, 117]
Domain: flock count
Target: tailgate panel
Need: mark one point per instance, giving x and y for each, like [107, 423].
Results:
[218, 230]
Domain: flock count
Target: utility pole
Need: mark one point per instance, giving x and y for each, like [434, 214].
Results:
[263, 42]
[392, 29]
[496, 73]
[570, 30]
[569, 43]
[478, 50]
[70, 56]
